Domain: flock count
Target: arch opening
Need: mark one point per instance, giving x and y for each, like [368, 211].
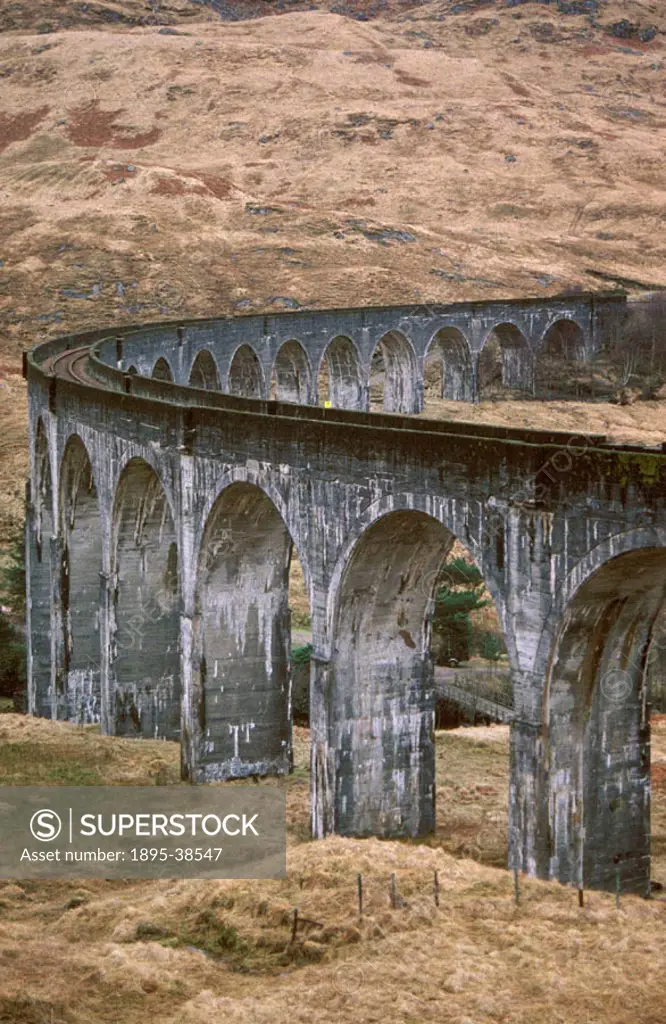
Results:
[162, 370]
[204, 373]
[145, 634]
[242, 638]
[448, 372]
[562, 350]
[340, 382]
[291, 378]
[245, 376]
[79, 697]
[383, 680]
[506, 363]
[393, 375]
[597, 728]
[40, 531]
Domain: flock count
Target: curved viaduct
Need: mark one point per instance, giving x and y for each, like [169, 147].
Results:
[168, 491]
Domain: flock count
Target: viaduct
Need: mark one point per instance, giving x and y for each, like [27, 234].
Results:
[176, 466]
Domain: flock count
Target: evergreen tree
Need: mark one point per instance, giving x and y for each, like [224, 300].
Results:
[460, 594]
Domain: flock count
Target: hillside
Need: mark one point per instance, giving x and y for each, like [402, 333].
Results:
[145, 173]
[162, 159]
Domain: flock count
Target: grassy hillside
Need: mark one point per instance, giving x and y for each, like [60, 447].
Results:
[172, 951]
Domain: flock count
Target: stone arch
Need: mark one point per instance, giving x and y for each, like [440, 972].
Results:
[245, 374]
[242, 638]
[145, 634]
[433, 509]
[617, 544]
[561, 346]
[204, 373]
[162, 370]
[394, 375]
[81, 568]
[448, 365]
[380, 732]
[595, 727]
[340, 382]
[292, 377]
[39, 542]
[506, 359]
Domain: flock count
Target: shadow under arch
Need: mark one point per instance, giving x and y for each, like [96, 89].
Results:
[340, 379]
[394, 375]
[162, 370]
[81, 567]
[448, 369]
[291, 378]
[204, 373]
[245, 377]
[242, 639]
[562, 345]
[41, 699]
[594, 801]
[505, 361]
[145, 640]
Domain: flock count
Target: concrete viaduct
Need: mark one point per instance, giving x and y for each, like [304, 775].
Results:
[168, 490]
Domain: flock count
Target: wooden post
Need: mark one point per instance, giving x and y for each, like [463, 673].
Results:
[436, 888]
[516, 885]
[359, 884]
[294, 927]
[394, 897]
[581, 901]
[617, 881]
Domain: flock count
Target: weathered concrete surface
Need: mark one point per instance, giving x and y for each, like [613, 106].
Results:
[195, 498]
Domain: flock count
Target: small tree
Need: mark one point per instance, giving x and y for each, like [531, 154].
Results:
[461, 593]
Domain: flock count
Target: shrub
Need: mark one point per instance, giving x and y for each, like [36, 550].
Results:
[300, 683]
[490, 646]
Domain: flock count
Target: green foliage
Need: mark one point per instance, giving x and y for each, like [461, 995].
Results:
[300, 683]
[460, 595]
[301, 655]
[460, 573]
[491, 646]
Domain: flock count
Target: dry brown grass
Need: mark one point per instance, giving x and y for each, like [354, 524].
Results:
[82, 953]
[642, 423]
